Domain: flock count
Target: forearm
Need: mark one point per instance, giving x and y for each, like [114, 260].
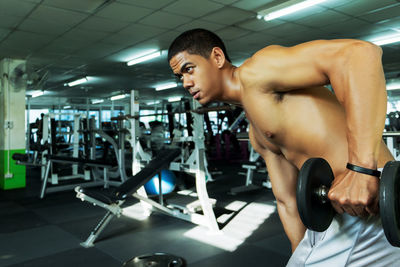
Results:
[359, 83]
[292, 224]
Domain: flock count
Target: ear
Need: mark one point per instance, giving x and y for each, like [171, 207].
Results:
[218, 56]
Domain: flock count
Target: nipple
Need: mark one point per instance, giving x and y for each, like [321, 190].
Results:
[268, 134]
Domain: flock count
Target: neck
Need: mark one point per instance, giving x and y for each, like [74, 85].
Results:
[230, 84]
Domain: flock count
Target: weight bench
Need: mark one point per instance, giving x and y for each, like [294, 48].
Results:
[20, 157]
[113, 200]
[252, 165]
[81, 162]
[23, 159]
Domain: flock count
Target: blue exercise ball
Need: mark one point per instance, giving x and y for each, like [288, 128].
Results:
[168, 181]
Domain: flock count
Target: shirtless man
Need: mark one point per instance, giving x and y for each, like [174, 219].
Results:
[293, 117]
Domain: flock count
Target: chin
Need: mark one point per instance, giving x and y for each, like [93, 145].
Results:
[203, 101]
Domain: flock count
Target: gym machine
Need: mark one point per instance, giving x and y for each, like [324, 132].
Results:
[144, 169]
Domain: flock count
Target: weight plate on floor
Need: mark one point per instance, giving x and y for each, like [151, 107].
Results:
[389, 202]
[155, 260]
[315, 214]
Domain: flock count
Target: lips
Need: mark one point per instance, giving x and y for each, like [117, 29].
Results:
[195, 94]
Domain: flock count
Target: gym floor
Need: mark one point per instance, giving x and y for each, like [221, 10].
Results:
[48, 232]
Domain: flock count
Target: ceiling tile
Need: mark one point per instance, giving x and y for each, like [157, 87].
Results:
[259, 24]
[100, 45]
[77, 5]
[229, 16]
[226, 2]
[376, 35]
[252, 5]
[15, 8]
[87, 35]
[252, 42]
[311, 35]
[335, 3]
[390, 23]
[72, 61]
[45, 58]
[164, 40]
[66, 46]
[322, 19]
[383, 14]
[360, 7]
[165, 20]
[12, 52]
[193, 8]
[27, 41]
[102, 24]
[123, 12]
[199, 24]
[238, 56]
[9, 21]
[56, 15]
[133, 35]
[43, 27]
[347, 29]
[98, 50]
[286, 30]
[153, 4]
[230, 33]
[304, 13]
[126, 39]
[58, 47]
[142, 31]
[3, 33]
[371, 30]
[128, 53]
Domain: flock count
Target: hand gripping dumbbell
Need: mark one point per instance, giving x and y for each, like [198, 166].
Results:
[316, 211]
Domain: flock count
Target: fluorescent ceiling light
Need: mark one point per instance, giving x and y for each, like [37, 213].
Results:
[174, 99]
[97, 101]
[36, 94]
[393, 86]
[153, 103]
[387, 40]
[166, 86]
[116, 97]
[143, 58]
[79, 81]
[288, 10]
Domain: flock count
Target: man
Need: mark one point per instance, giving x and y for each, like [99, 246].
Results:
[293, 117]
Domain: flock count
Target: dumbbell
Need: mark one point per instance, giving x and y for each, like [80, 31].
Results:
[316, 212]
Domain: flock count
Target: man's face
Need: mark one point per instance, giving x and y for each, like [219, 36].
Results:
[198, 75]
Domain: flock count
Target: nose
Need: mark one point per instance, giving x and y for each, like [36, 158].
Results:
[187, 83]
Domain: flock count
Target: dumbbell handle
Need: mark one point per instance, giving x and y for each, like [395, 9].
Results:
[322, 193]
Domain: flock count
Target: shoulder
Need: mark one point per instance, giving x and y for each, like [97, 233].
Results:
[254, 73]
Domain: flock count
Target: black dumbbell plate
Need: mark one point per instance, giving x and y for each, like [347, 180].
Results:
[315, 214]
[389, 202]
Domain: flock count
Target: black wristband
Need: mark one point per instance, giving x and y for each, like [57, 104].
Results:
[363, 170]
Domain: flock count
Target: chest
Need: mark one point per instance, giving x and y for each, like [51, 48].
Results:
[297, 125]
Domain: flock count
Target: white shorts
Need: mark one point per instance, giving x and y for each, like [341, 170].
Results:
[349, 241]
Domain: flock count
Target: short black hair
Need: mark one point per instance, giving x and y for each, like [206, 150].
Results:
[198, 42]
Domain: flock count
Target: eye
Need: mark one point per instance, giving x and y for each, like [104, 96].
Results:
[189, 69]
